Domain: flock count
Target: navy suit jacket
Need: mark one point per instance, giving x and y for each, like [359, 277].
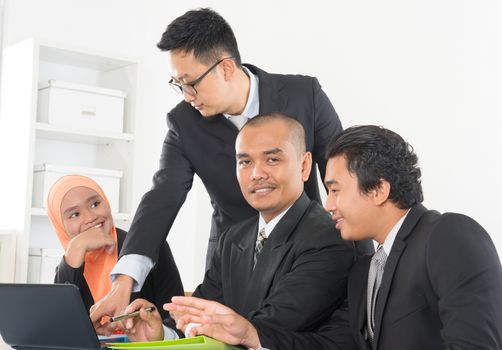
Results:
[206, 147]
[299, 280]
[441, 288]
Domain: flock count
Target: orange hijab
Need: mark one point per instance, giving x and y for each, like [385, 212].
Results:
[98, 263]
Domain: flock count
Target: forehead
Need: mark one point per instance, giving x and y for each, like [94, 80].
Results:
[337, 171]
[255, 139]
[183, 64]
[78, 195]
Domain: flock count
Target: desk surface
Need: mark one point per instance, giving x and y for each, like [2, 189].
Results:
[3, 346]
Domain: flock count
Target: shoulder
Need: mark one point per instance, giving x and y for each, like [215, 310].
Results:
[235, 232]
[458, 238]
[291, 82]
[318, 228]
[450, 225]
[182, 113]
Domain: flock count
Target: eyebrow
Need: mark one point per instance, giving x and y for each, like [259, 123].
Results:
[70, 209]
[178, 79]
[267, 152]
[331, 182]
[93, 197]
[90, 199]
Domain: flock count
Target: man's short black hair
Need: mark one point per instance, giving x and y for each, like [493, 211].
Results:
[203, 32]
[374, 153]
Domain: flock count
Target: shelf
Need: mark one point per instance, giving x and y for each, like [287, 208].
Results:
[52, 132]
[116, 216]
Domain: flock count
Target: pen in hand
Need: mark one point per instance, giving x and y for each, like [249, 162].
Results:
[129, 315]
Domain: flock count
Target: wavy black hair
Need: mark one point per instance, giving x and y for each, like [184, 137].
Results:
[373, 154]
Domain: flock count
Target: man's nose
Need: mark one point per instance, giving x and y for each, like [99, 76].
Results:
[330, 204]
[188, 97]
[258, 172]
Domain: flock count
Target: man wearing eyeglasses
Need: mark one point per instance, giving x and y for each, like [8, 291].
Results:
[220, 95]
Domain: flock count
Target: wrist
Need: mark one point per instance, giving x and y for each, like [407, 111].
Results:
[123, 282]
[251, 340]
[75, 254]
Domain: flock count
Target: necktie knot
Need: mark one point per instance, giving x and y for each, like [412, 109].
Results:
[380, 257]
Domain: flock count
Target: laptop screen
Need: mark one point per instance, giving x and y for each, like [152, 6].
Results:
[45, 316]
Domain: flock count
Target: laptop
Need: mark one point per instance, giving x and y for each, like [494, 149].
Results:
[45, 316]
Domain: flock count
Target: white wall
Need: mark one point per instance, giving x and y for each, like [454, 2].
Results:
[428, 69]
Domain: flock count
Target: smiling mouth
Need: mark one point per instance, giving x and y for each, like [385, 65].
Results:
[99, 225]
[338, 221]
[262, 190]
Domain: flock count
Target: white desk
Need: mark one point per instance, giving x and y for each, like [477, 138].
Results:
[4, 346]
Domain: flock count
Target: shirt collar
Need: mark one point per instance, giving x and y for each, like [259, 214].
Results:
[391, 237]
[269, 227]
[252, 107]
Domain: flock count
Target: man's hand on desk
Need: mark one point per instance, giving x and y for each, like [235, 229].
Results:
[112, 304]
[147, 326]
[215, 320]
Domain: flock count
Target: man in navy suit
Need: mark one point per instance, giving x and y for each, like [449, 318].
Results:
[285, 267]
[220, 95]
[435, 281]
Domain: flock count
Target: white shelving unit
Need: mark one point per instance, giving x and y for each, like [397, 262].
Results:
[25, 142]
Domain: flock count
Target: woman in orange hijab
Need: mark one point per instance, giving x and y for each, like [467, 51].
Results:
[81, 216]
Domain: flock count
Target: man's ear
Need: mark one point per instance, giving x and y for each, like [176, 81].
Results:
[306, 166]
[381, 193]
[229, 68]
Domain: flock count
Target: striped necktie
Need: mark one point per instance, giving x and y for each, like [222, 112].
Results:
[375, 274]
[260, 242]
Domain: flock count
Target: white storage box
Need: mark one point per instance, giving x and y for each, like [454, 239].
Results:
[42, 264]
[45, 175]
[80, 106]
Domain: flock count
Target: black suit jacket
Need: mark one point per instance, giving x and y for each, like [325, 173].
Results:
[299, 279]
[158, 288]
[206, 146]
[441, 288]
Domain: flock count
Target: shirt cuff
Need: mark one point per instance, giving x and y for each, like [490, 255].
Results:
[189, 327]
[169, 333]
[135, 266]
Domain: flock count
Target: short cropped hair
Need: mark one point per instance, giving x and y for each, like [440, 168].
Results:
[203, 32]
[296, 130]
[374, 153]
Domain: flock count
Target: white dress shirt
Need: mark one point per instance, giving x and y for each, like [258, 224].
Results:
[252, 107]
[391, 237]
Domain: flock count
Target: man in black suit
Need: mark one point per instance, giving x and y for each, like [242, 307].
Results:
[220, 94]
[286, 266]
[435, 281]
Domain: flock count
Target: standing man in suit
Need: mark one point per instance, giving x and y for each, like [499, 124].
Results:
[435, 281]
[220, 95]
[286, 266]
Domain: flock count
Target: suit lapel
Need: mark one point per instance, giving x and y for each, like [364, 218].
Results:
[269, 91]
[221, 128]
[397, 250]
[274, 250]
[357, 291]
[241, 260]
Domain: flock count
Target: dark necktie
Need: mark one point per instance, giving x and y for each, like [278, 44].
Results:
[260, 242]
[375, 274]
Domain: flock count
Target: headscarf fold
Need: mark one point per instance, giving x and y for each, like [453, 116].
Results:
[98, 263]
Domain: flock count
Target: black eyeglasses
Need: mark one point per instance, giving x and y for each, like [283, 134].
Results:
[189, 88]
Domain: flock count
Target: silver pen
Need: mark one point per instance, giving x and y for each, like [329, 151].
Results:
[129, 315]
